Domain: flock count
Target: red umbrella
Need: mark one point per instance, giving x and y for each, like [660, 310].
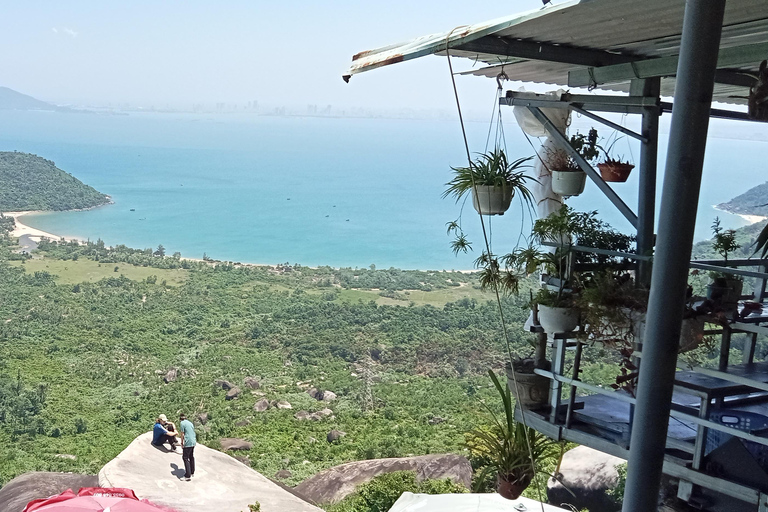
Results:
[101, 499]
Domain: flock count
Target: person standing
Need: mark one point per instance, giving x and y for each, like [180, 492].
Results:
[188, 442]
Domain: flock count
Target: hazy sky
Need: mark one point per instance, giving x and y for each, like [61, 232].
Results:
[179, 53]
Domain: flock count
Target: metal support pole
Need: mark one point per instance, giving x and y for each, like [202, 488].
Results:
[702, 26]
[646, 201]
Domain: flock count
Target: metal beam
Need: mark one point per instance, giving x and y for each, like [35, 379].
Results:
[593, 174]
[747, 55]
[610, 124]
[702, 27]
[595, 102]
[646, 199]
[507, 47]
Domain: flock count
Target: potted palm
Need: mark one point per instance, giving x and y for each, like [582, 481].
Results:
[725, 289]
[568, 179]
[493, 180]
[508, 449]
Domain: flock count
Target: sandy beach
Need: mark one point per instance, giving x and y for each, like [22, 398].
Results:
[22, 229]
[752, 218]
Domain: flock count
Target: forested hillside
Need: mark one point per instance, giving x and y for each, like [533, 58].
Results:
[87, 366]
[752, 202]
[30, 182]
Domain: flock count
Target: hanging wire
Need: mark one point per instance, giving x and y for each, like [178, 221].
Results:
[488, 249]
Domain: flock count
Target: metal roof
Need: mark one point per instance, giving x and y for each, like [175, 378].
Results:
[598, 43]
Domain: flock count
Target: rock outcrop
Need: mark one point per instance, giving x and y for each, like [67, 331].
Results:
[220, 483]
[252, 382]
[261, 406]
[588, 474]
[15, 495]
[233, 393]
[334, 435]
[335, 483]
[232, 443]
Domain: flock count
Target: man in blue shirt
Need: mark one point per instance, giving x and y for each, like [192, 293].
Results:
[164, 432]
[188, 442]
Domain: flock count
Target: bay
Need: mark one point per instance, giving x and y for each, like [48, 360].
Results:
[309, 190]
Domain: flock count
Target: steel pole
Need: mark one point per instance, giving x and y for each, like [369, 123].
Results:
[699, 47]
[646, 201]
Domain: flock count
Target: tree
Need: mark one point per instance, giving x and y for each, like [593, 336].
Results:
[160, 251]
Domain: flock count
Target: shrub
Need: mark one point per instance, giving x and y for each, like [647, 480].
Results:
[382, 492]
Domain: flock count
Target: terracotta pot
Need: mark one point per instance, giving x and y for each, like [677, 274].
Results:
[568, 183]
[509, 490]
[491, 200]
[615, 172]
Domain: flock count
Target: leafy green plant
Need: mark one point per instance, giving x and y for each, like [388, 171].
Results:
[506, 448]
[724, 243]
[492, 169]
[383, 491]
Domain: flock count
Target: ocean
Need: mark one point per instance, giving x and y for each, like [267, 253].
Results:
[344, 192]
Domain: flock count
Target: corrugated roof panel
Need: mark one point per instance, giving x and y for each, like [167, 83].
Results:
[637, 28]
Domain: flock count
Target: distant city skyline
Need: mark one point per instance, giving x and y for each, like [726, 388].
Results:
[291, 54]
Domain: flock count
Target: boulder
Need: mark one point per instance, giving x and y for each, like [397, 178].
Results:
[252, 382]
[315, 393]
[170, 376]
[202, 418]
[283, 474]
[261, 406]
[282, 404]
[15, 495]
[436, 420]
[242, 423]
[328, 396]
[65, 456]
[588, 474]
[333, 484]
[223, 384]
[233, 393]
[221, 483]
[333, 437]
[325, 413]
[233, 443]
[302, 415]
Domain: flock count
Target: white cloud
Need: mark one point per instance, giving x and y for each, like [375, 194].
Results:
[67, 31]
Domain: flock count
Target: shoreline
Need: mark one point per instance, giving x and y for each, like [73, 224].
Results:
[35, 234]
[752, 219]
[22, 229]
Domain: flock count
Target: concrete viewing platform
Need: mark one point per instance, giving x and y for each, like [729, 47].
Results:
[221, 483]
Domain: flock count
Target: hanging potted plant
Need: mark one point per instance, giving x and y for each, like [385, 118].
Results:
[725, 289]
[493, 181]
[612, 169]
[508, 449]
[568, 179]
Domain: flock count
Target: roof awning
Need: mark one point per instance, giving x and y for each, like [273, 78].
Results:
[594, 43]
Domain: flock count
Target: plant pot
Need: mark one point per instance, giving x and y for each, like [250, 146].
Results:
[725, 292]
[554, 320]
[568, 183]
[533, 389]
[615, 172]
[691, 333]
[491, 200]
[509, 490]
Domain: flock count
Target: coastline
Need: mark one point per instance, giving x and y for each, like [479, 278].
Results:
[752, 219]
[22, 229]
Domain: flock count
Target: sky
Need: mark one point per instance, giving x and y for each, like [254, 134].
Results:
[173, 53]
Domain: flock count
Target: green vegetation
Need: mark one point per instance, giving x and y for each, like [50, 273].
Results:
[382, 492]
[30, 182]
[752, 202]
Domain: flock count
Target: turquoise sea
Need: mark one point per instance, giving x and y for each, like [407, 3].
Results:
[308, 190]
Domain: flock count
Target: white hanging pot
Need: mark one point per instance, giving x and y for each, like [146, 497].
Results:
[568, 183]
[554, 320]
[491, 200]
